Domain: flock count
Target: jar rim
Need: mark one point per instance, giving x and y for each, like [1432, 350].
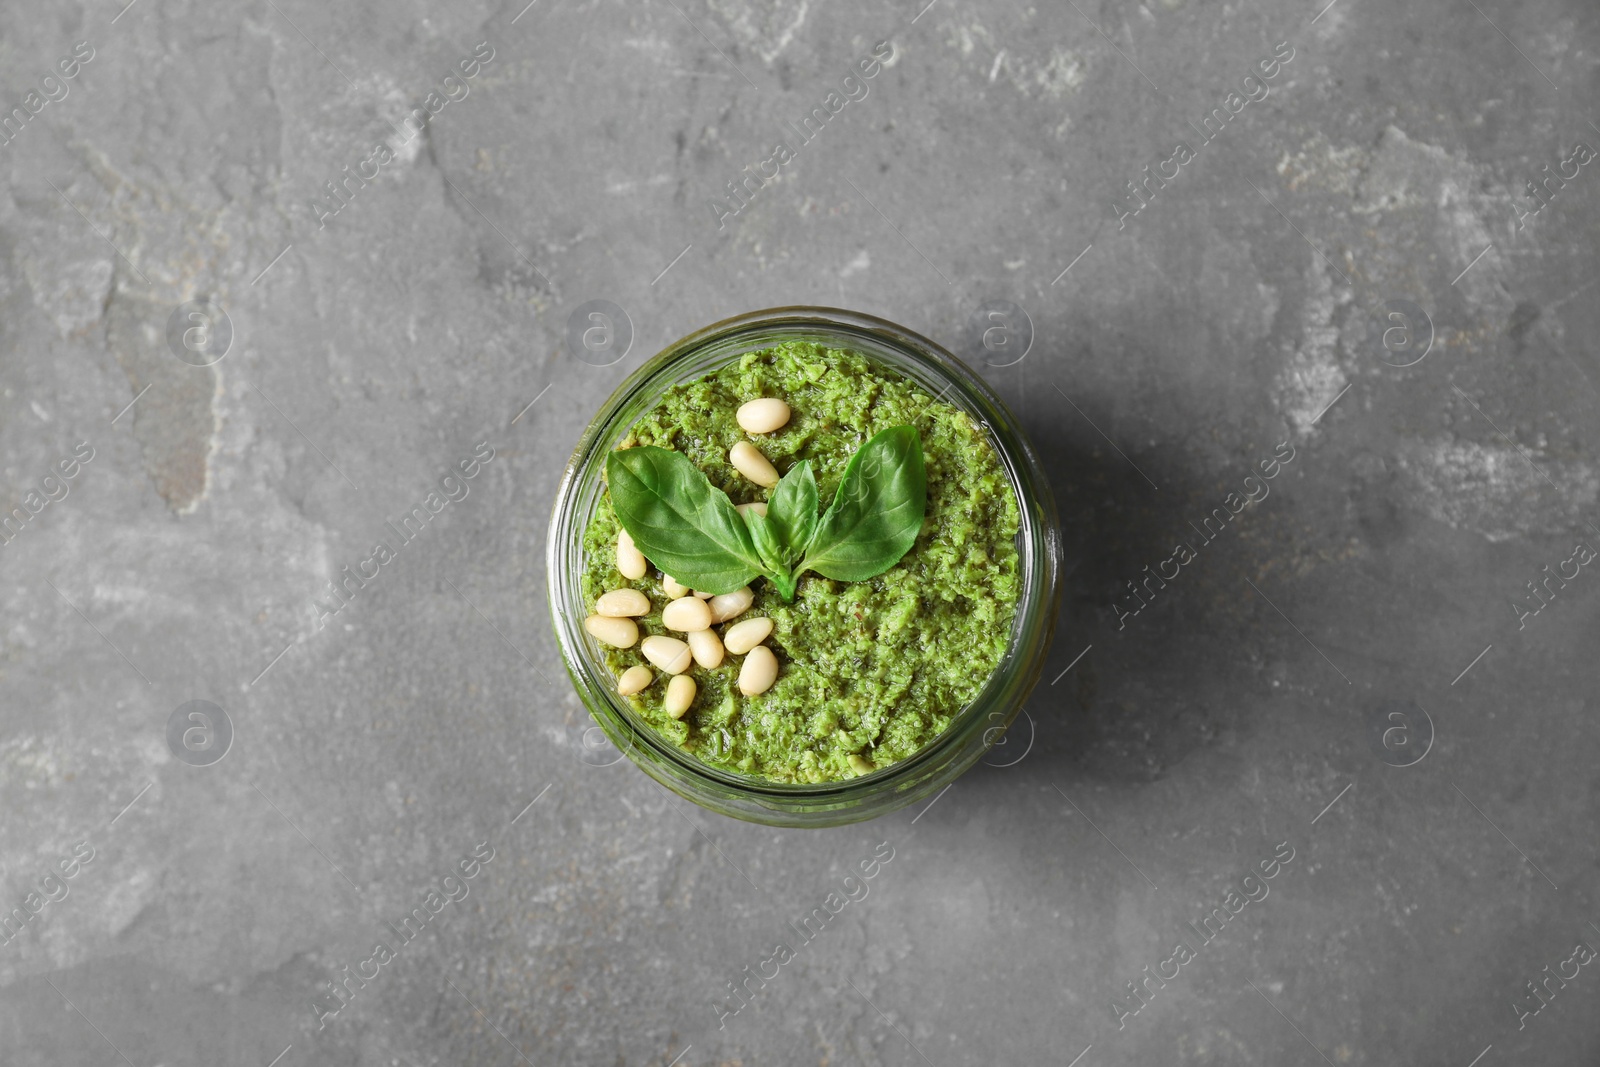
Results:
[1039, 544]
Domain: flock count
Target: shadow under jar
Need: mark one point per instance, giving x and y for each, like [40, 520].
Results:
[895, 352]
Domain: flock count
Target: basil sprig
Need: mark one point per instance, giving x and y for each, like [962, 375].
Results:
[691, 530]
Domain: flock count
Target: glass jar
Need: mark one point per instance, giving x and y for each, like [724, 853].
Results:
[972, 732]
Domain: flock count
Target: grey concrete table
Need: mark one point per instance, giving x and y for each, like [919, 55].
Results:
[273, 270]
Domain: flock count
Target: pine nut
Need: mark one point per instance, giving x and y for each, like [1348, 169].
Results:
[619, 633]
[758, 507]
[741, 637]
[707, 648]
[668, 653]
[686, 614]
[760, 670]
[673, 587]
[622, 603]
[635, 679]
[860, 765]
[680, 694]
[748, 461]
[762, 416]
[630, 561]
[702, 596]
[731, 605]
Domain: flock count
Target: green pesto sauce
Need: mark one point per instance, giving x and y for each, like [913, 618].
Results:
[878, 668]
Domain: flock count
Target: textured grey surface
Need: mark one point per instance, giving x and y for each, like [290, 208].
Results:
[1254, 691]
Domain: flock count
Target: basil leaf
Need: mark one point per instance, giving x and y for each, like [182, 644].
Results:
[763, 534]
[876, 514]
[680, 521]
[792, 511]
[765, 540]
